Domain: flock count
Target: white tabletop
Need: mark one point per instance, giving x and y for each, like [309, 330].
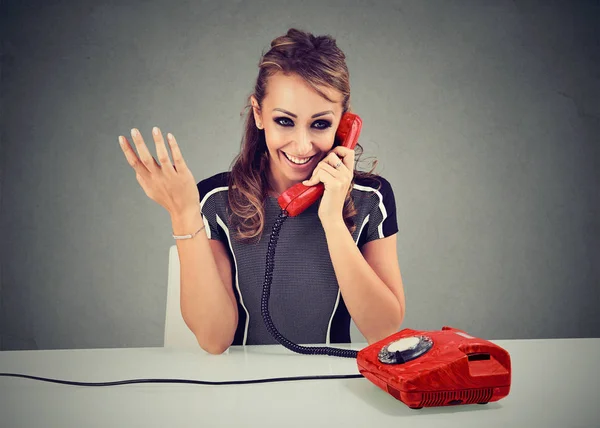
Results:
[555, 383]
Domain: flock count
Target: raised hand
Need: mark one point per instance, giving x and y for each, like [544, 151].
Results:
[171, 185]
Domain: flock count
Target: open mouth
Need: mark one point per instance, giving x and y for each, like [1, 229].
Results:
[298, 162]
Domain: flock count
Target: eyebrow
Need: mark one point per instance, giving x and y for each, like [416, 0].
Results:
[312, 117]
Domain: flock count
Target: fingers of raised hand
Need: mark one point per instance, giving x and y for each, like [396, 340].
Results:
[132, 158]
[145, 162]
[144, 154]
[161, 151]
[178, 160]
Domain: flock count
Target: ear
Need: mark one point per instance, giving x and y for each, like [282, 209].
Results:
[257, 112]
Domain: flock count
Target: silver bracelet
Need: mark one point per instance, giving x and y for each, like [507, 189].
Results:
[189, 236]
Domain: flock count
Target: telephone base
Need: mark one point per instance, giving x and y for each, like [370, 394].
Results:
[437, 368]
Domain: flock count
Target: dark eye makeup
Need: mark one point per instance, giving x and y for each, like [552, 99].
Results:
[287, 122]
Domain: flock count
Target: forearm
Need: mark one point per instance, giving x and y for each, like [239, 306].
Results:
[206, 306]
[370, 302]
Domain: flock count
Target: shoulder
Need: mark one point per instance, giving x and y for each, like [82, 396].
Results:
[374, 195]
[375, 185]
[375, 201]
[215, 184]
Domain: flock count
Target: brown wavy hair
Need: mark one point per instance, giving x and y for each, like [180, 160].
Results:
[317, 60]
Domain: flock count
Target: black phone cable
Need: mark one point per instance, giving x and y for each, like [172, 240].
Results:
[190, 381]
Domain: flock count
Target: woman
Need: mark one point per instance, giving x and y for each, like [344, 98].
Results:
[335, 261]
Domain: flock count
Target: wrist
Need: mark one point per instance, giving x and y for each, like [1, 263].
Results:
[186, 213]
[333, 225]
[185, 223]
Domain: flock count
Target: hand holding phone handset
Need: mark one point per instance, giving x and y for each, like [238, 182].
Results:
[294, 201]
[299, 197]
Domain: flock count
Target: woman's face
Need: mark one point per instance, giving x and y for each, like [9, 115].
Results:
[299, 126]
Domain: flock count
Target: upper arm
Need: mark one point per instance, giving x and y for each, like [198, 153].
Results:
[382, 256]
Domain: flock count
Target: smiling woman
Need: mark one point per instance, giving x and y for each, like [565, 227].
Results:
[336, 261]
[296, 141]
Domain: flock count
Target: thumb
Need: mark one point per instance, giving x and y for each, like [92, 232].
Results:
[312, 180]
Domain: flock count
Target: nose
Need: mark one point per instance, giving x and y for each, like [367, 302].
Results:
[303, 142]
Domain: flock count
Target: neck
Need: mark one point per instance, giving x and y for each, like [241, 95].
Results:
[278, 183]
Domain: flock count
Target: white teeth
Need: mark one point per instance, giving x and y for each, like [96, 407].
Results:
[296, 160]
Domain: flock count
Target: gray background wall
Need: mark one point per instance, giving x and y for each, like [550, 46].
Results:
[484, 116]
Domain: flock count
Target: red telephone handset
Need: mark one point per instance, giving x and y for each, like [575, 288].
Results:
[299, 197]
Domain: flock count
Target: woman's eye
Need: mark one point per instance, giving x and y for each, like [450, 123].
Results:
[284, 121]
[322, 124]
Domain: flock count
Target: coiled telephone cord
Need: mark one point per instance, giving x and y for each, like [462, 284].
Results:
[270, 265]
